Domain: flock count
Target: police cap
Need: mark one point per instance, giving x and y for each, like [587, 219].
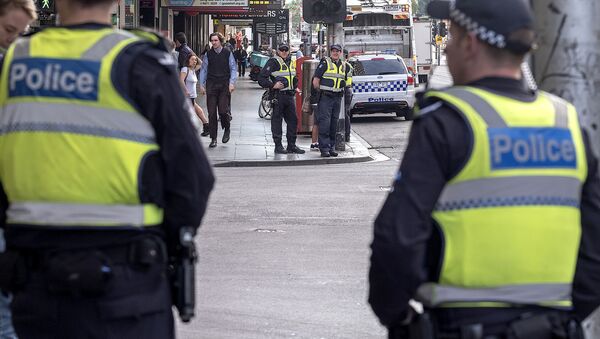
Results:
[492, 21]
[336, 46]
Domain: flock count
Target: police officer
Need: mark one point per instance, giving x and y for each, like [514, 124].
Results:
[330, 79]
[279, 75]
[100, 172]
[492, 220]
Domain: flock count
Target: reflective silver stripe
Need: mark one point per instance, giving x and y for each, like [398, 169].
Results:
[511, 191]
[105, 45]
[485, 110]
[35, 116]
[332, 89]
[334, 76]
[561, 111]
[22, 49]
[65, 214]
[432, 295]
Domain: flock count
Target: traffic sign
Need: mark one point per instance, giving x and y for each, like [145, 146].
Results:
[438, 40]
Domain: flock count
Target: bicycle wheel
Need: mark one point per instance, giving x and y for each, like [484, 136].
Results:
[265, 108]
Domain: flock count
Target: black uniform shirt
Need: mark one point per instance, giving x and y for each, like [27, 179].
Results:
[406, 248]
[272, 65]
[178, 178]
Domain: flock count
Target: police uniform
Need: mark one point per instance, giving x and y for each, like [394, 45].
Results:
[95, 181]
[277, 69]
[332, 75]
[496, 189]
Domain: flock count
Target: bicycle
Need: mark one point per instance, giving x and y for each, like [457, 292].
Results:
[265, 108]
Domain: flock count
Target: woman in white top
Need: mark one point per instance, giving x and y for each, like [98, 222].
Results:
[189, 81]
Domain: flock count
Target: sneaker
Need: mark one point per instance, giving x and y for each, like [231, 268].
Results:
[333, 153]
[295, 149]
[213, 143]
[314, 147]
[225, 136]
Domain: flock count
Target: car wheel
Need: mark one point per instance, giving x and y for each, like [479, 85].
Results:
[408, 114]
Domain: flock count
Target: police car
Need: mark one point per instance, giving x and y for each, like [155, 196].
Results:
[381, 83]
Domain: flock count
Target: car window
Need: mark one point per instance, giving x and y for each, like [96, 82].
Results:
[378, 66]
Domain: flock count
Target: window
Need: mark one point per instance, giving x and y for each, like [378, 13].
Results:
[378, 66]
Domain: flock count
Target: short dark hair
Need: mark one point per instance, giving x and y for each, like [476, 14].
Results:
[218, 35]
[181, 38]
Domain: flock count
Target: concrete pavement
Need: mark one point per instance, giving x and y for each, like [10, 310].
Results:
[251, 142]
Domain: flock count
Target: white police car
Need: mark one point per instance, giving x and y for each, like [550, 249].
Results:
[381, 83]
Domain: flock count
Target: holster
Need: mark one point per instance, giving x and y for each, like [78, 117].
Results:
[544, 326]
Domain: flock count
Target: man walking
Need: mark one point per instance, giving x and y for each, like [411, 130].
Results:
[279, 75]
[217, 81]
[182, 49]
[99, 173]
[492, 219]
[330, 79]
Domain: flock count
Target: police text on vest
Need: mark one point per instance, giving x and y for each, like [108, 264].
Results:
[531, 148]
[65, 78]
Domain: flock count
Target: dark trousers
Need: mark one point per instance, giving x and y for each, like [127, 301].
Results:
[327, 118]
[218, 100]
[284, 109]
[136, 304]
[241, 69]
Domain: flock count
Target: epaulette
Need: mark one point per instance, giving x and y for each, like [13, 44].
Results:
[425, 105]
[152, 36]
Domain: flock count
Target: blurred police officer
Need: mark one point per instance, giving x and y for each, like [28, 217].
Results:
[279, 75]
[496, 190]
[99, 171]
[330, 79]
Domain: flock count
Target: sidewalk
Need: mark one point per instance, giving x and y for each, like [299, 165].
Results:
[251, 143]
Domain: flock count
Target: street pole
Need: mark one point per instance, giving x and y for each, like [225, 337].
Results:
[567, 62]
[335, 35]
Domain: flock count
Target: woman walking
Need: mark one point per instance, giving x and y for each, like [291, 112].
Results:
[190, 80]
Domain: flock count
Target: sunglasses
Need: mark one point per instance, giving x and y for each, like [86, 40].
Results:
[284, 49]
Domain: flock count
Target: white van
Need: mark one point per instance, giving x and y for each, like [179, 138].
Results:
[381, 83]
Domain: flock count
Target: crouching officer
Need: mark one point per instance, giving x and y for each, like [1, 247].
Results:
[496, 201]
[279, 75]
[99, 172]
[330, 79]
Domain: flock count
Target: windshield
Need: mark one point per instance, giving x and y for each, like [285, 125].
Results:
[378, 66]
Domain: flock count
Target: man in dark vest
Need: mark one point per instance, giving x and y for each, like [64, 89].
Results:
[217, 81]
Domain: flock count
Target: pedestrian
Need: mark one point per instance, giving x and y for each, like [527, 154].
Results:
[104, 172]
[174, 54]
[330, 78]
[15, 17]
[490, 223]
[217, 81]
[231, 40]
[299, 53]
[245, 42]
[189, 80]
[240, 56]
[279, 75]
[182, 49]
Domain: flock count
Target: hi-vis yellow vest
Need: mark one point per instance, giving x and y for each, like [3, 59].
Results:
[286, 72]
[510, 219]
[71, 146]
[333, 76]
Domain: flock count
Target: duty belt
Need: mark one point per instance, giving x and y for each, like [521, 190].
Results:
[287, 92]
[332, 94]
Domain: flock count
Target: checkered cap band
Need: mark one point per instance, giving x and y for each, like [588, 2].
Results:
[484, 34]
